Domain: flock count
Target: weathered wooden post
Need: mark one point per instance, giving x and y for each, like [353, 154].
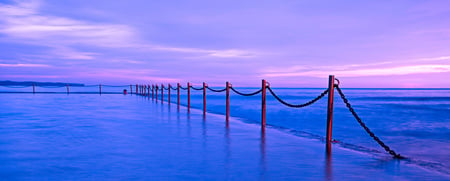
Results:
[189, 96]
[263, 105]
[100, 88]
[228, 101]
[153, 91]
[156, 92]
[204, 98]
[169, 94]
[330, 112]
[162, 93]
[178, 95]
[34, 90]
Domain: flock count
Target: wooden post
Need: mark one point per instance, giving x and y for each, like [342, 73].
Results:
[228, 102]
[67, 88]
[156, 92]
[137, 89]
[330, 112]
[131, 89]
[178, 95]
[162, 93]
[204, 98]
[189, 96]
[100, 88]
[169, 94]
[148, 91]
[153, 91]
[263, 105]
[34, 90]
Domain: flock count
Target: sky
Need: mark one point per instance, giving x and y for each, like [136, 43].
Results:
[291, 43]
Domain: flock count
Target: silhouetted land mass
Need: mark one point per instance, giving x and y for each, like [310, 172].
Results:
[30, 83]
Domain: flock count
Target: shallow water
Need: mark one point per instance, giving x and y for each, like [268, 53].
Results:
[48, 134]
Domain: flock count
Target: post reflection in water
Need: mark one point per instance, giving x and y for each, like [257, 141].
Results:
[263, 155]
[227, 152]
[328, 163]
[204, 127]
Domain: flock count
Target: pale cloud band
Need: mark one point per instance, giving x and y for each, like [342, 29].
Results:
[24, 23]
[401, 70]
[23, 65]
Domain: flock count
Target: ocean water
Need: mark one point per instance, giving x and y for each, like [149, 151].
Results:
[413, 122]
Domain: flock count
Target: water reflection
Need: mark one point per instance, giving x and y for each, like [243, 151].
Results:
[227, 152]
[263, 155]
[328, 164]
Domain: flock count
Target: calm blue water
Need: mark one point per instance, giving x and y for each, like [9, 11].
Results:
[415, 123]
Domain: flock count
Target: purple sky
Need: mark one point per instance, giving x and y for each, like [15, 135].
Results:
[290, 43]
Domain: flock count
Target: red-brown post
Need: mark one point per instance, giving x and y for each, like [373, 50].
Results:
[34, 89]
[162, 93]
[204, 98]
[67, 88]
[131, 89]
[178, 94]
[137, 89]
[100, 88]
[228, 101]
[189, 96]
[330, 112]
[169, 94]
[263, 105]
[153, 91]
[156, 93]
[148, 91]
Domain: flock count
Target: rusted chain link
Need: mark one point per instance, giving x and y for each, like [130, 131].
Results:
[183, 88]
[297, 105]
[244, 94]
[220, 90]
[173, 88]
[166, 88]
[196, 88]
[381, 143]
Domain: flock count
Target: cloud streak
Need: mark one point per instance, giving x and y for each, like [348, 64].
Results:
[24, 23]
[24, 65]
[401, 70]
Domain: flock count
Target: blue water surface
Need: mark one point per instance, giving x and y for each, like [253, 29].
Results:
[80, 136]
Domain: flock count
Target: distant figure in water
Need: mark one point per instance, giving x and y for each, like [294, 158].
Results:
[125, 92]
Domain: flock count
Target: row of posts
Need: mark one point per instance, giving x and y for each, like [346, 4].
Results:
[68, 89]
[145, 91]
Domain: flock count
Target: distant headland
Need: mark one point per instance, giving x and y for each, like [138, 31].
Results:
[31, 83]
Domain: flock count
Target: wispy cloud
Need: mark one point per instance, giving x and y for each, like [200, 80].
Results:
[137, 74]
[401, 70]
[24, 23]
[24, 65]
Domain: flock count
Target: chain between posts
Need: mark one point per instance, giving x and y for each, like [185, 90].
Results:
[196, 88]
[220, 90]
[381, 143]
[244, 94]
[297, 105]
[183, 88]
